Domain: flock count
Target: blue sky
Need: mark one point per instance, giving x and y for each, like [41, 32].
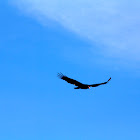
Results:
[37, 41]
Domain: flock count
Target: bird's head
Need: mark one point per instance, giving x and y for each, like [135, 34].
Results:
[89, 87]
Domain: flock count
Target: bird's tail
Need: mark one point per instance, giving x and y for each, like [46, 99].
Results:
[76, 88]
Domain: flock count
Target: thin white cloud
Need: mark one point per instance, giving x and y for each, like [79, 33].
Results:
[113, 24]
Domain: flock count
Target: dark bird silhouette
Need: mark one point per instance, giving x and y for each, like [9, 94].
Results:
[78, 84]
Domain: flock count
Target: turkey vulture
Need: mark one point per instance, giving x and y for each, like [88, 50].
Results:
[78, 84]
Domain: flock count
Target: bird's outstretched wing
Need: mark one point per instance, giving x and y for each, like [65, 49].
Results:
[69, 80]
[95, 85]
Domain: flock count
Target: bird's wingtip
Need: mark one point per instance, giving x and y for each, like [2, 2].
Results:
[60, 75]
[109, 79]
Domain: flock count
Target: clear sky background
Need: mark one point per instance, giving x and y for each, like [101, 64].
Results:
[86, 40]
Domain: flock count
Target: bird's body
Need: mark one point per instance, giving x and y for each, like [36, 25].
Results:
[78, 84]
[83, 87]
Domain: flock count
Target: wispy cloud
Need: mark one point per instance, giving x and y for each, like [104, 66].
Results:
[113, 24]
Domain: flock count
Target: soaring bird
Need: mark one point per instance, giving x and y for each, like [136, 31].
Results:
[78, 84]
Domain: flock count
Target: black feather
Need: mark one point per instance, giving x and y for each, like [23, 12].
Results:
[77, 83]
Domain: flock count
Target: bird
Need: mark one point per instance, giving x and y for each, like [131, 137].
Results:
[80, 85]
